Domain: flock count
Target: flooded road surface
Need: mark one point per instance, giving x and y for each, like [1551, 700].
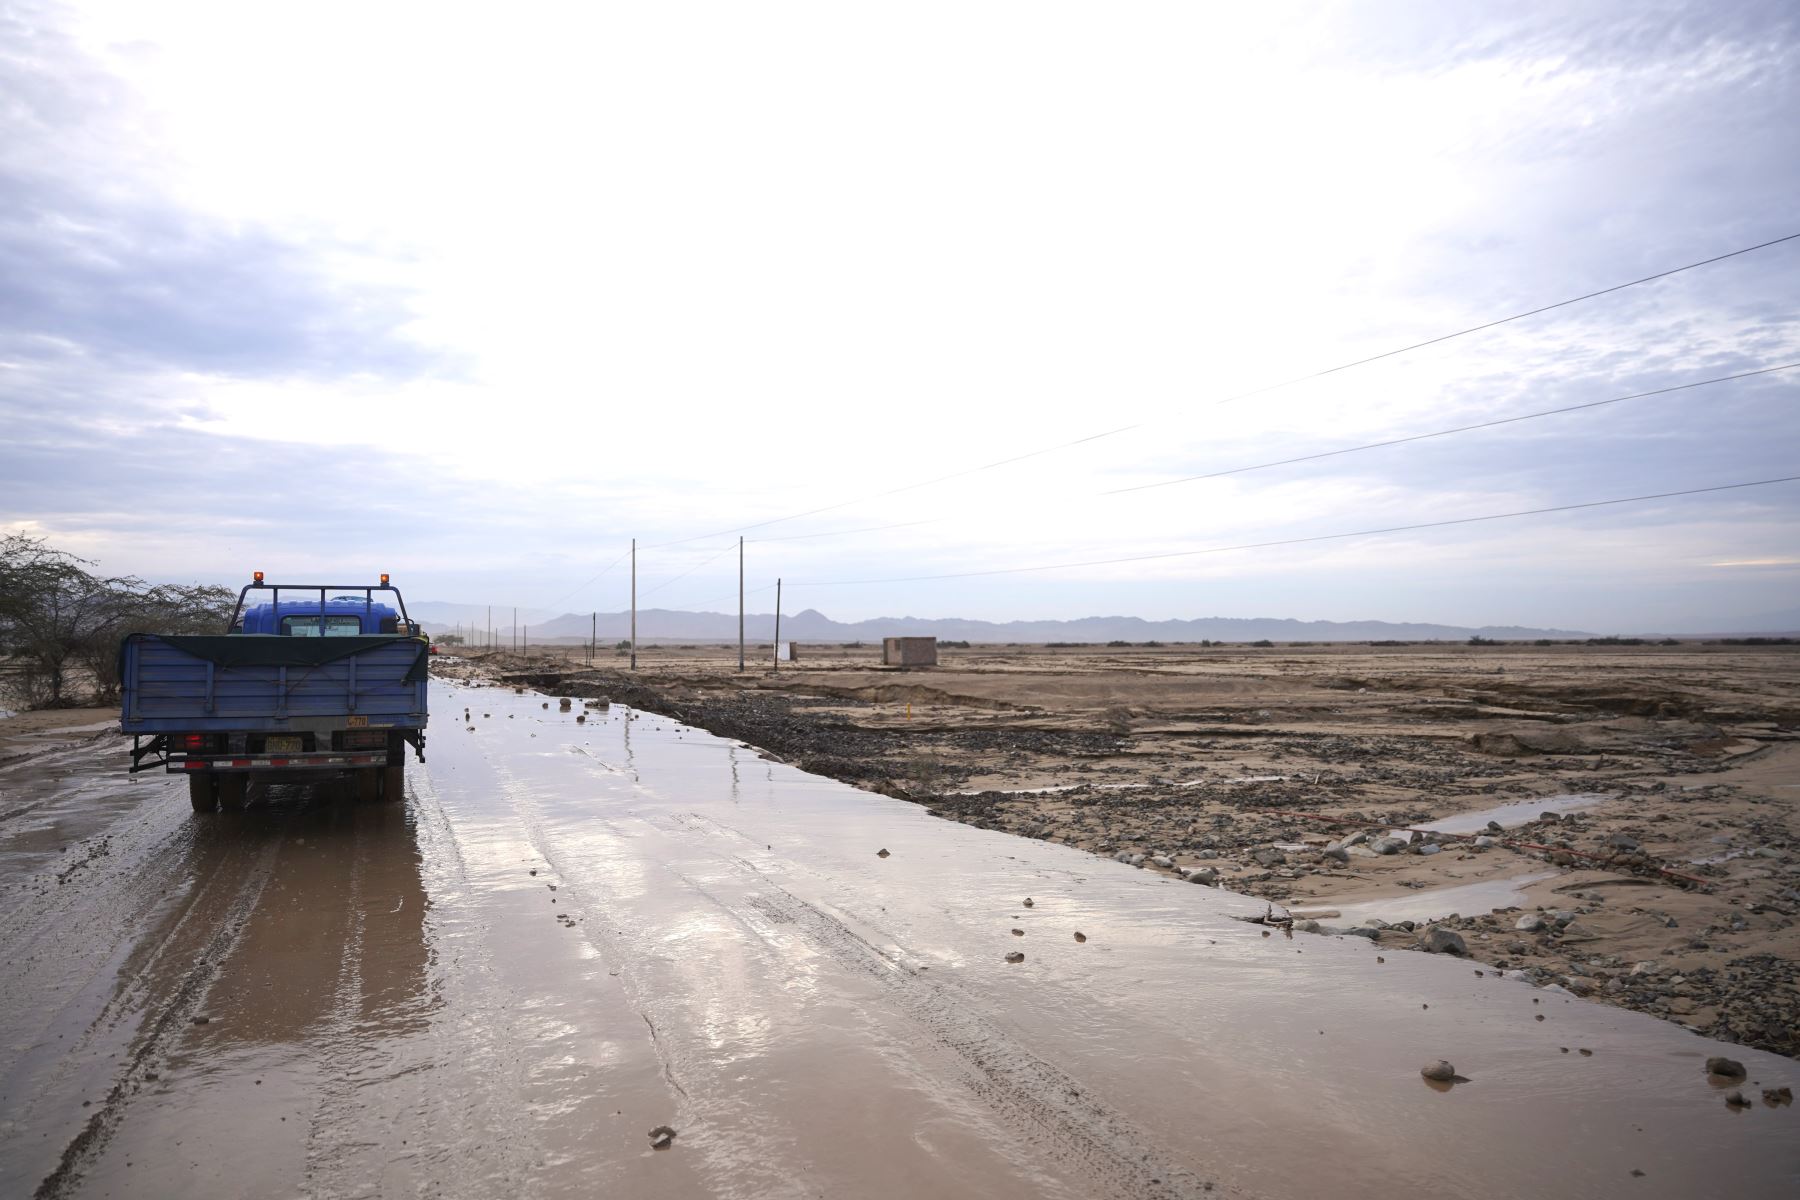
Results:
[572, 934]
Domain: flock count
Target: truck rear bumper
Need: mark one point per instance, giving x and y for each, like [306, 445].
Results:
[335, 761]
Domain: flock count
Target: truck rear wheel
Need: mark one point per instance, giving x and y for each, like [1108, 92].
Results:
[231, 791]
[393, 782]
[200, 792]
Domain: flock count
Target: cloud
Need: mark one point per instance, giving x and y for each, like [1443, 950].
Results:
[95, 256]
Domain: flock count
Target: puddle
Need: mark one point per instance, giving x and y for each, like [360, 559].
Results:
[1428, 904]
[1520, 813]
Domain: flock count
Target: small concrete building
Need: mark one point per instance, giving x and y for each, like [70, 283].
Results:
[909, 652]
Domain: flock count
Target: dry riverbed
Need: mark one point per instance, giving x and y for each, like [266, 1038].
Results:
[1642, 845]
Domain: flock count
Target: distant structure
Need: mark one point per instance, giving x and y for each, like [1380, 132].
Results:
[909, 652]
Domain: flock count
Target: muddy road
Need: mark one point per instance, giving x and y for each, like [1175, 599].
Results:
[571, 934]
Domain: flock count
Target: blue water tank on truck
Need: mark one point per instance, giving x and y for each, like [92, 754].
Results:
[319, 679]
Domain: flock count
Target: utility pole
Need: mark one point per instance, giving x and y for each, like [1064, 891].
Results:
[593, 635]
[777, 655]
[740, 602]
[634, 604]
[515, 631]
[527, 640]
[490, 628]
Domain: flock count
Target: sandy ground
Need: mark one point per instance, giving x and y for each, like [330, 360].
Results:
[1669, 884]
[26, 734]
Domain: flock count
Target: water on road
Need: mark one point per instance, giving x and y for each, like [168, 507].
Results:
[571, 934]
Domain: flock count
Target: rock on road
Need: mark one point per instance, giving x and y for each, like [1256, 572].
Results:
[573, 938]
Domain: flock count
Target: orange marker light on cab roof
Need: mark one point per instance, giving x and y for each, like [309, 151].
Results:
[257, 576]
[384, 579]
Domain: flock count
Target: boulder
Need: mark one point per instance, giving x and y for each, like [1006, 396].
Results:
[1443, 941]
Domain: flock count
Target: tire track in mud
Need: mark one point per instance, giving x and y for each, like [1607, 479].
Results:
[177, 1005]
[485, 1143]
[1043, 1104]
[1101, 1152]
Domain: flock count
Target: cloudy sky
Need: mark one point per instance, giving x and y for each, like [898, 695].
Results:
[475, 294]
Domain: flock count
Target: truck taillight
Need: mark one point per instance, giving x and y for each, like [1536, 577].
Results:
[193, 742]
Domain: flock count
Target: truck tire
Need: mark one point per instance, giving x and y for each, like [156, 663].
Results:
[368, 785]
[200, 792]
[231, 792]
[393, 783]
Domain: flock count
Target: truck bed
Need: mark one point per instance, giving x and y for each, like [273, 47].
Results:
[251, 682]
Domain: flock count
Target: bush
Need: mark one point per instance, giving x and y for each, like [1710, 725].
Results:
[59, 617]
[1265, 643]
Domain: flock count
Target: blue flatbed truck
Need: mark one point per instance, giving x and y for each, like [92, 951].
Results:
[322, 680]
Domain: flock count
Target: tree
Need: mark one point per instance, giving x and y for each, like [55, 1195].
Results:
[57, 616]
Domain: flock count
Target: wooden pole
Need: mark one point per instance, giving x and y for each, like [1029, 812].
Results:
[740, 602]
[634, 604]
[777, 654]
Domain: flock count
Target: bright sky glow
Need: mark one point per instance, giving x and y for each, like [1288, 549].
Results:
[474, 295]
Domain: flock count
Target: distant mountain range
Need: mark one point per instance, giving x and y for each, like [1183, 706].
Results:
[810, 625]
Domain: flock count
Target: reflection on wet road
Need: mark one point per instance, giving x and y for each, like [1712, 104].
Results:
[573, 933]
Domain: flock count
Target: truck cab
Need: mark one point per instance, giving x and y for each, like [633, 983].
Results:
[336, 616]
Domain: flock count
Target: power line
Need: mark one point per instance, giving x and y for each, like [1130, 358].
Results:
[673, 578]
[1284, 462]
[1437, 433]
[1605, 291]
[1322, 537]
[603, 570]
[1319, 374]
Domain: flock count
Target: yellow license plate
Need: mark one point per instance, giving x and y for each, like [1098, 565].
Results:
[357, 722]
[281, 745]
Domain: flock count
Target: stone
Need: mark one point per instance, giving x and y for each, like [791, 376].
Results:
[1355, 839]
[1485, 843]
[661, 1137]
[1336, 854]
[1778, 1095]
[1725, 1068]
[1363, 931]
[1444, 941]
[1016, 956]
[1162, 860]
[1575, 931]
[1430, 848]
[1438, 1072]
[1307, 926]
[1621, 841]
[1080, 936]
[1388, 845]
[1736, 1100]
[1028, 902]
[1494, 827]
[1529, 923]
[882, 853]
[1377, 923]
[1268, 856]
[1204, 875]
